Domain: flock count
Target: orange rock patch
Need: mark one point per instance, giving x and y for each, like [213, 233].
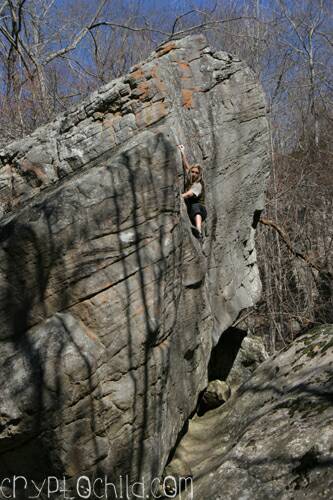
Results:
[165, 49]
[187, 95]
[185, 69]
[137, 74]
[143, 88]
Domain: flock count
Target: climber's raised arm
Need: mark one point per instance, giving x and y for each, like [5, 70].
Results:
[186, 164]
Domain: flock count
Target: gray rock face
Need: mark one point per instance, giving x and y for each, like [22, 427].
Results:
[274, 437]
[251, 354]
[109, 308]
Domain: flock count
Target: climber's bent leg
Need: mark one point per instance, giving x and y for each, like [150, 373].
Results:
[198, 222]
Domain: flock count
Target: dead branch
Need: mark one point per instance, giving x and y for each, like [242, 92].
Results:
[77, 38]
[187, 31]
[285, 238]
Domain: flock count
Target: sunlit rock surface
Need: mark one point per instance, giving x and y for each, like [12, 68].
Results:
[109, 306]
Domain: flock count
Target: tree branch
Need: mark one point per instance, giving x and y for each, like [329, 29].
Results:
[130, 28]
[2, 7]
[77, 38]
[178, 18]
[283, 235]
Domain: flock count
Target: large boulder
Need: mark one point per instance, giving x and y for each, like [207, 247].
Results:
[109, 306]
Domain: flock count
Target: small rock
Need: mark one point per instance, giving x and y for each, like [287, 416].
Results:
[217, 393]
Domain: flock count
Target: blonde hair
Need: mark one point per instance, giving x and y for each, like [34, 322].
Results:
[189, 177]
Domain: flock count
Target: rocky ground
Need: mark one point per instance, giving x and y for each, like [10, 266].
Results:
[274, 437]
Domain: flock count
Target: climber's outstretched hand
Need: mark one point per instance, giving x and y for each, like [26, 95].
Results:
[186, 164]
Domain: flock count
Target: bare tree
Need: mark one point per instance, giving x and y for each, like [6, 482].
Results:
[51, 57]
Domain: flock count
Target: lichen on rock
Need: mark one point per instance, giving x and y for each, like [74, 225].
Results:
[273, 437]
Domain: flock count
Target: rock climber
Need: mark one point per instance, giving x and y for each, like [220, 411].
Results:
[194, 194]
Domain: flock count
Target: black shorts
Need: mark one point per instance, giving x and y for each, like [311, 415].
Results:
[194, 208]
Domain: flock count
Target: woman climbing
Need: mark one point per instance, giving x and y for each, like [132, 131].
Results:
[194, 194]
